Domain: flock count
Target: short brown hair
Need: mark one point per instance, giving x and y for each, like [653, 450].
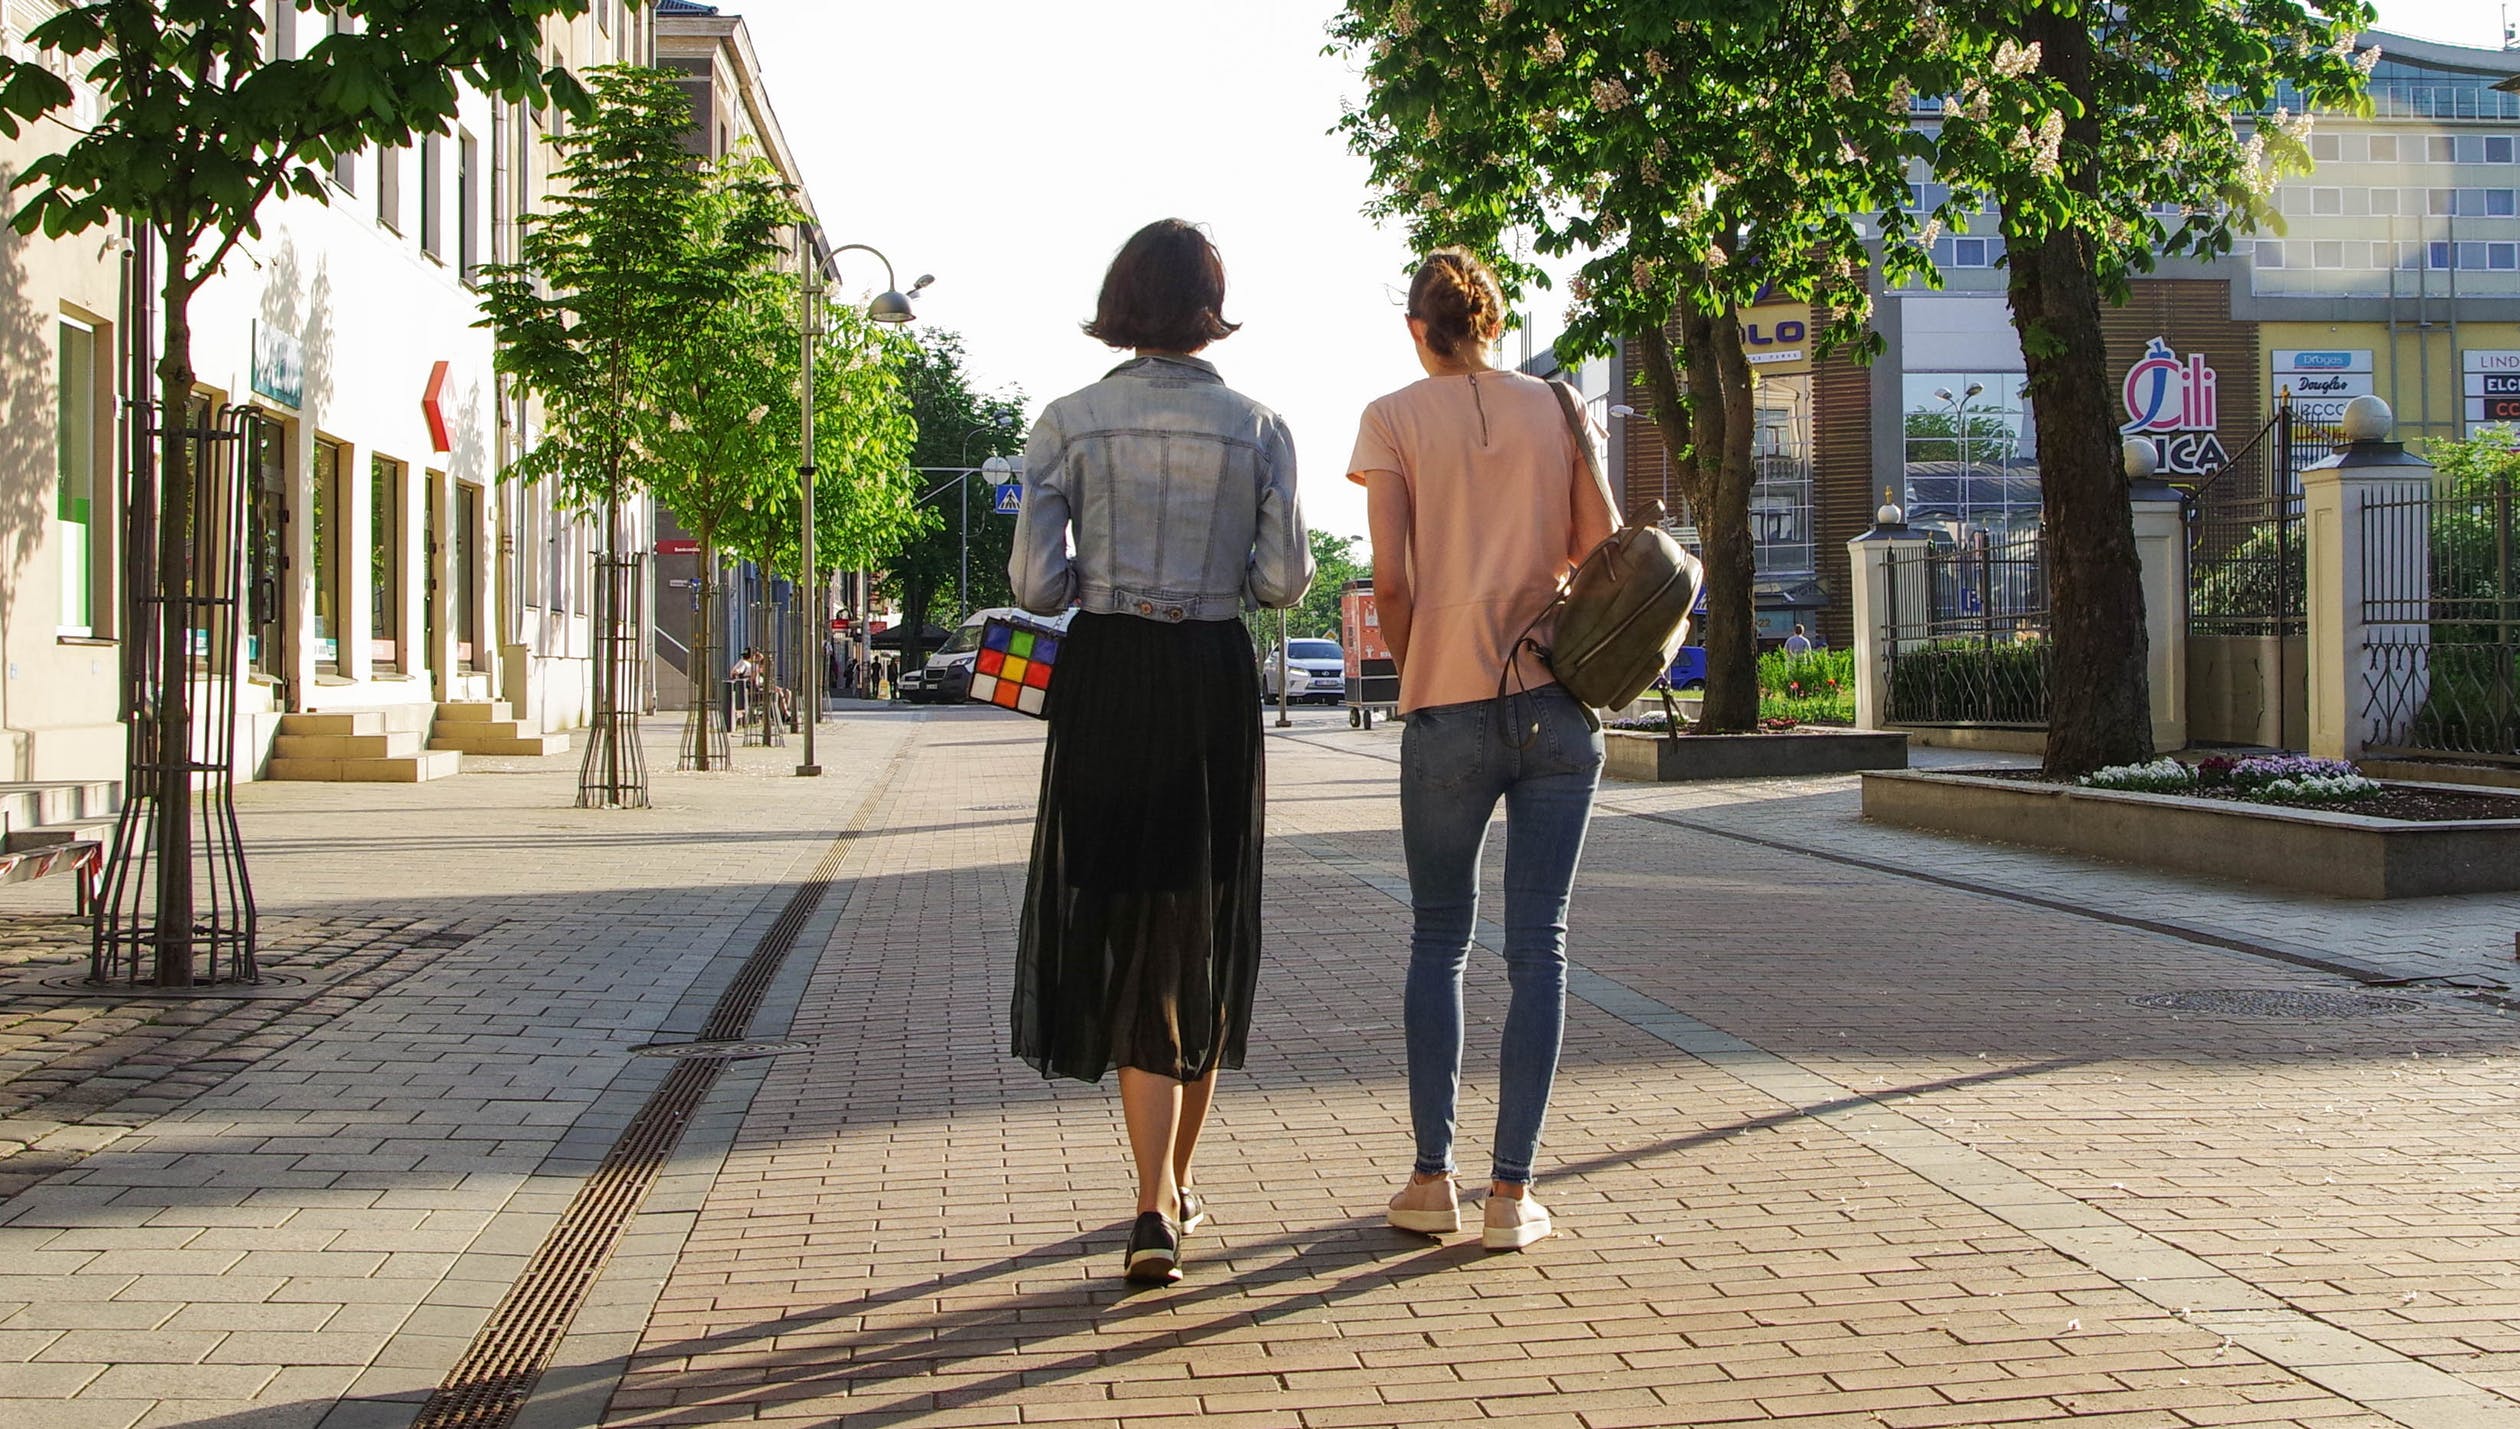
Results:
[1165, 291]
[1458, 299]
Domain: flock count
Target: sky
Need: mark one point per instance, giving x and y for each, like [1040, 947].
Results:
[1010, 146]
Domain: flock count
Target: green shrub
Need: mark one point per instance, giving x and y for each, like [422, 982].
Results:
[1969, 682]
[1818, 688]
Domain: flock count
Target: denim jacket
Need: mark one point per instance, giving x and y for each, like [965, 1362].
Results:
[1180, 492]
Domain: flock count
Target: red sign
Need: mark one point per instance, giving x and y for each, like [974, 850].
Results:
[684, 547]
[839, 625]
[433, 407]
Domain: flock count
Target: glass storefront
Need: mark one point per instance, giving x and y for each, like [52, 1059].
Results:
[1971, 460]
[323, 624]
[385, 506]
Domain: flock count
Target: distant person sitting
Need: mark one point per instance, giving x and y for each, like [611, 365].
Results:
[1798, 644]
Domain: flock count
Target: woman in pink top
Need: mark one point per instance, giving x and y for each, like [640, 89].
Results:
[1479, 499]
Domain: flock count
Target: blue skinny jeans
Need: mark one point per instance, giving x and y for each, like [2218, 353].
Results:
[1456, 761]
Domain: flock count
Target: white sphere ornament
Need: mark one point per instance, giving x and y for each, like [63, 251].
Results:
[2140, 458]
[2368, 419]
[1889, 515]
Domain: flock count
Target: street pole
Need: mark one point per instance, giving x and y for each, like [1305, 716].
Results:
[1283, 722]
[962, 582]
[817, 621]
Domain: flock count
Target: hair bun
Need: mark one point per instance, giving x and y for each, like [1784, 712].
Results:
[1459, 300]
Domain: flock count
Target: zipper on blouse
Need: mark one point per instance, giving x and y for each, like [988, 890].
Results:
[1484, 438]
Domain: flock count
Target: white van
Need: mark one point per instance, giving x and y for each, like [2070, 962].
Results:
[947, 677]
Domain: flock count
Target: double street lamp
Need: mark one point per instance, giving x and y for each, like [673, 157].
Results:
[890, 306]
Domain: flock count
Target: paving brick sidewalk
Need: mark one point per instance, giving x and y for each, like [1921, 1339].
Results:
[1831, 1147]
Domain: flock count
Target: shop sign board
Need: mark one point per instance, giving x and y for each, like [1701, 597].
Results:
[2321, 381]
[2492, 379]
[1775, 334]
[2171, 402]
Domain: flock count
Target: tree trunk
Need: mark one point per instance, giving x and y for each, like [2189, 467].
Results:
[705, 696]
[1732, 623]
[916, 596]
[2099, 699]
[173, 831]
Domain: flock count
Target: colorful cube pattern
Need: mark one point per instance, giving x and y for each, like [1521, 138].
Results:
[1012, 670]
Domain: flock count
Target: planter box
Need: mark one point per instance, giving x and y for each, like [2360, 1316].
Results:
[2315, 851]
[1633, 754]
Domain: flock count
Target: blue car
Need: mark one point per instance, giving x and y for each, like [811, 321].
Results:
[1688, 668]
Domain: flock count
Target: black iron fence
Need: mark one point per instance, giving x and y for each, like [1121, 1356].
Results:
[2441, 619]
[2247, 557]
[1965, 634]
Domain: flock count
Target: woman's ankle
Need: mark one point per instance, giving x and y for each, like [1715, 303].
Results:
[1512, 1190]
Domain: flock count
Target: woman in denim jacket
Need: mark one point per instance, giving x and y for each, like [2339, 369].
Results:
[1161, 504]
[1479, 499]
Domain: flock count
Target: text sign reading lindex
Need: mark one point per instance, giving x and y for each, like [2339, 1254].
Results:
[2321, 380]
[2492, 379]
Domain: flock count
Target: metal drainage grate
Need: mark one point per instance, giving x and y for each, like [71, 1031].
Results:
[718, 1051]
[997, 808]
[2274, 1002]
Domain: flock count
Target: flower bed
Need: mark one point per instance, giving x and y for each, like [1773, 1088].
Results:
[2288, 822]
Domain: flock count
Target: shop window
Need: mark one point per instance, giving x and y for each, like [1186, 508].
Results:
[385, 562]
[323, 624]
[2384, 148]
[464, 573]
[74, 503]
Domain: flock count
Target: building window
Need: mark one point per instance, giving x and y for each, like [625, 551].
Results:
[323, 624]
[345, 171]
[2438, 202]
[2439, 150]
[2327, 254]
[603, 16]
[2326, 149]
[432, 187]
[2384, 148]
[74, 503]
[2384, 203]
[2269, 254]
[389, 188]
[1780, 492]
[283, 17]
[385, 562]
[2498, 203]
[463, 561]
[2498, 148]
[1967, 469]
[467, 207]
[2327, 201]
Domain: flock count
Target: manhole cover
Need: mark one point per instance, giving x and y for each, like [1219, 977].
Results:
[2270, 1002]
[722, 1051]
[268, 985]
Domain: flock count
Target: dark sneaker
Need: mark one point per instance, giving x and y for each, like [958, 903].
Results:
[1154, 1250]
[1194, 1211]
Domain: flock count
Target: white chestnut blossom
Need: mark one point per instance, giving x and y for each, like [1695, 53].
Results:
[1498, 9]
[1656, 65]
[1609, 95]
[2012, 61]
[1551, 49]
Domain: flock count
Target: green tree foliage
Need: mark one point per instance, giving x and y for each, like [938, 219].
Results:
[1697, 153]
[1335, 563]
[2102, 134]
[588, 315]
[865, 494]
[201, 125]
[958, 427]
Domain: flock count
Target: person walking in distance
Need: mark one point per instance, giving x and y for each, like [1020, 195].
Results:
[1478, 499]
[1798, 644]
[1140, 940]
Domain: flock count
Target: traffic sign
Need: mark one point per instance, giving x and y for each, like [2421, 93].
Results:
[1010, 498]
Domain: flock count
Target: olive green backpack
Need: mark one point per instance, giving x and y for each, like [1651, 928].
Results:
[1623, 613]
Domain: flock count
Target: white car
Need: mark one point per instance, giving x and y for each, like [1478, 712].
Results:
[1319, 672]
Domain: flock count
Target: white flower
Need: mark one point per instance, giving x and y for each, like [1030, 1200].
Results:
[1499, 9]
[1580, 287]
[1430, 202]
[1926, 236]
[2051, 138]
[1841, 84]
[2012, 61]
[1551, 49]
[1641, 272]
[1656, 65]
[2368, 61]
[1716, 257]
[1609, 95]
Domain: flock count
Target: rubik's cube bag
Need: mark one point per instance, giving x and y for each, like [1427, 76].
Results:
[1013, 668]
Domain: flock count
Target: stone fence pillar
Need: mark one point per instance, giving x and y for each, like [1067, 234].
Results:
[2367, 510]
[2161, 547]
[1877, 605]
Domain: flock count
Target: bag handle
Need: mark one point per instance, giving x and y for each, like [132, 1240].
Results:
[1571, 407]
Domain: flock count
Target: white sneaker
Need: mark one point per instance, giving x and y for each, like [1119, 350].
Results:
[1514, 1222]
[1427, 1207]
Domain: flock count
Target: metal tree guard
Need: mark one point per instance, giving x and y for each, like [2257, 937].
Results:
[704, 729]
[177, 888]
[614, 772]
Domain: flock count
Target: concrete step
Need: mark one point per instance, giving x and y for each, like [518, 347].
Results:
[22, 840]
[339, 722]
[506, 737]
[51, 801]
[387, 745]
[399, 769]
[474, 712]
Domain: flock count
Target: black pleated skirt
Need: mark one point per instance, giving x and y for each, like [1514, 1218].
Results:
[1140, 944]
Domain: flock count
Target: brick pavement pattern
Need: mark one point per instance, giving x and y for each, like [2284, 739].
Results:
[1830, 1147]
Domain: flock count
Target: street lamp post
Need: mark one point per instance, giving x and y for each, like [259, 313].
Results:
[962, 486]
[1960, 440]
[889, 306]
